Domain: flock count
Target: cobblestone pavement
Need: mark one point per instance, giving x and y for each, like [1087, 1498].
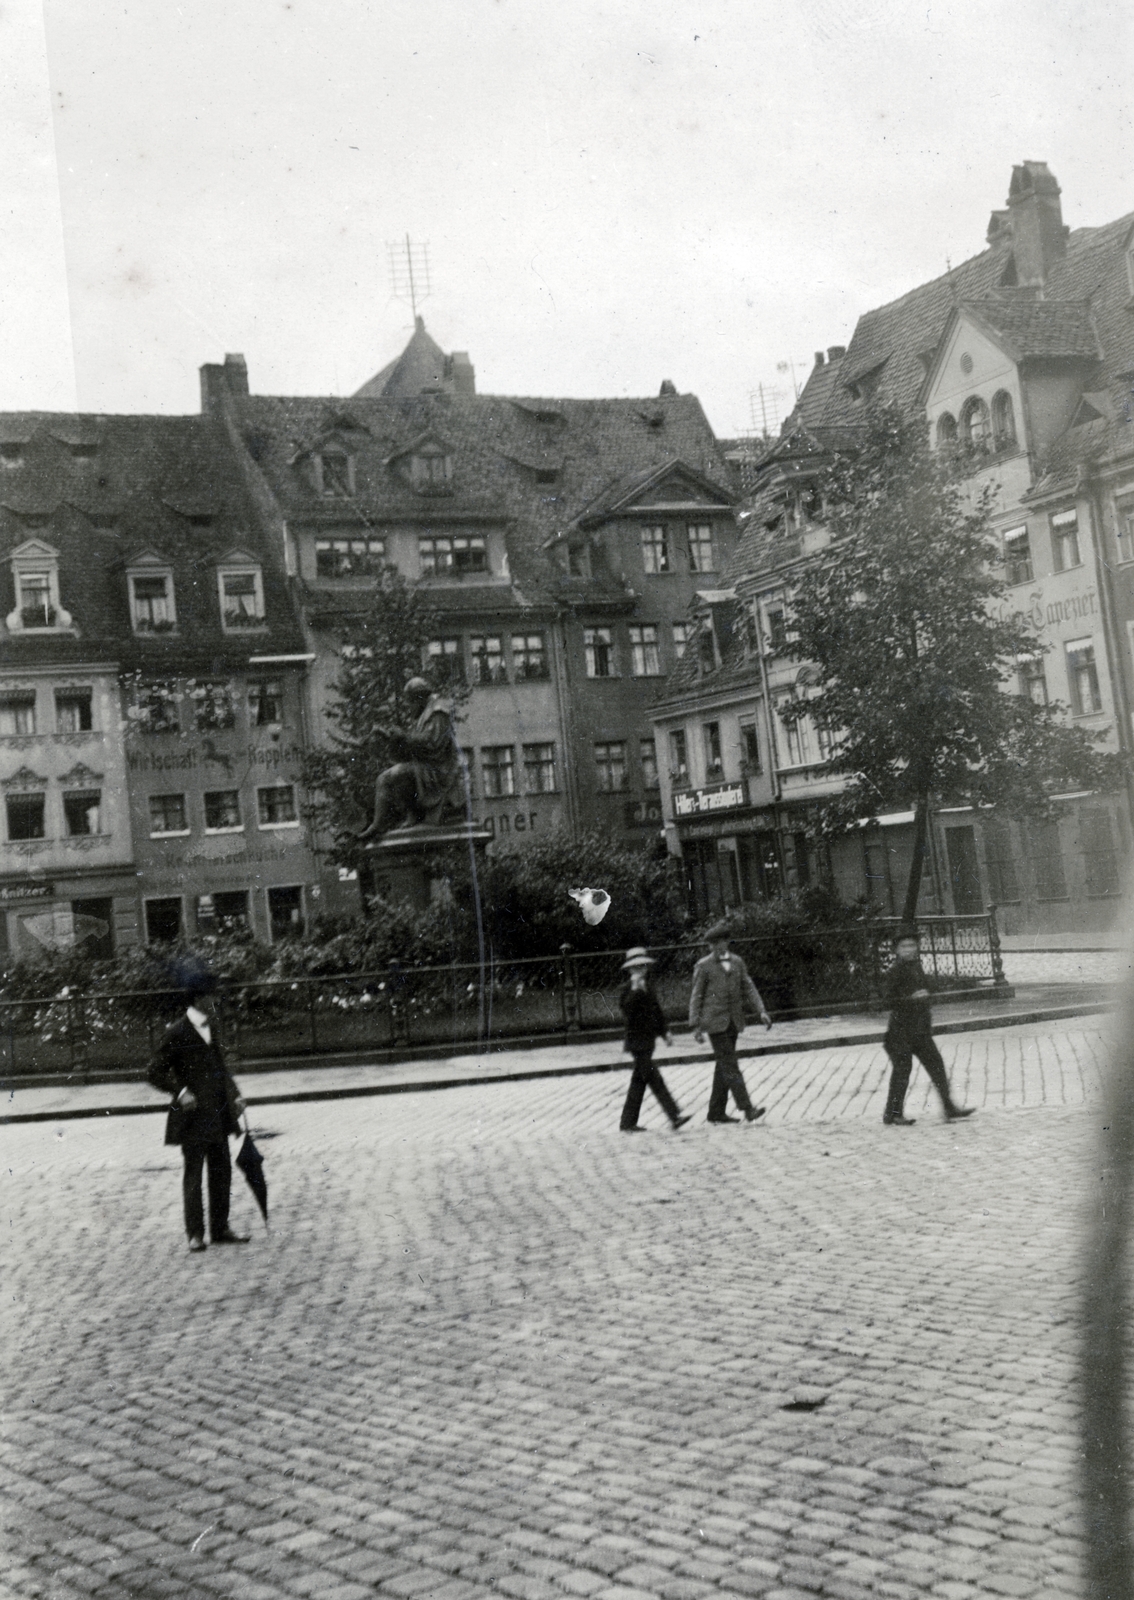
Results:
[492, 1346]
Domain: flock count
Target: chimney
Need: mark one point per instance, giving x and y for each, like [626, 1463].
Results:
[221, 383]
[1039, 238]
[836, 351]
[668, 387]
[820, 358]
[463, 372]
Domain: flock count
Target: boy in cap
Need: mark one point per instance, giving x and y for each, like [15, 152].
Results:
[645, 1022]
[910, 1033]
[721, 986]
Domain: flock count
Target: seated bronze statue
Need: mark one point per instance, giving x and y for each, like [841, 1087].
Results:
[427, 784]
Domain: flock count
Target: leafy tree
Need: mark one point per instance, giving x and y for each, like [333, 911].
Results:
[903, 617]
[380, 648]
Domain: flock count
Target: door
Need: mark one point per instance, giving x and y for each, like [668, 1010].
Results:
[964, 874]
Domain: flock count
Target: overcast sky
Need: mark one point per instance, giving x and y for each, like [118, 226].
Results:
[613, 191]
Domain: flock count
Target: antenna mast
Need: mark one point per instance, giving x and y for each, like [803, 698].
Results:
[409, 272]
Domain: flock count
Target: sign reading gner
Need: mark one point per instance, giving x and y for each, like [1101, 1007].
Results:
[696, 802]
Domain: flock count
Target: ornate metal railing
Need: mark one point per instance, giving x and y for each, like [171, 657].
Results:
[469, 1004]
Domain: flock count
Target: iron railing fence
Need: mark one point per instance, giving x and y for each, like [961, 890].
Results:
[468, 1003]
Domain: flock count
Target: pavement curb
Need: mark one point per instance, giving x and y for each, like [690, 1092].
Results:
[430, 1085]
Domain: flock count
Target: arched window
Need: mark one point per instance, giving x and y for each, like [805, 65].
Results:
[975, 424]
[1003, 420]
[946, 429]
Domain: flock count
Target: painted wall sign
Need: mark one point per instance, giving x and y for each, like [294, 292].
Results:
[699, 802]
[642, 814]
[26, 891]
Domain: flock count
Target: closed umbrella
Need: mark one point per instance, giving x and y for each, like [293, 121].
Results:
[251, 1163]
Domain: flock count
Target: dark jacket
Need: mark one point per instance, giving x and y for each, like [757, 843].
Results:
[909, 1018]
[645, 1019]
[185, 1061]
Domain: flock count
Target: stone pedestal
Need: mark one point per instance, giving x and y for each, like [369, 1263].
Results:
[416, 863]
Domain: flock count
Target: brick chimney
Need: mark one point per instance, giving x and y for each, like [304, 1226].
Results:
[218, 383]
[1039, 238]
[461, 372]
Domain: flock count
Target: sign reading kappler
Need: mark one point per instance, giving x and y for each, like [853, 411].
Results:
[699, 802]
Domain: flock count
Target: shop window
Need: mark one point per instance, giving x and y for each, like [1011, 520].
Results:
[276, 806]
[678, 759]
[1045, 854]
[655, 550]
[152, 607]
[17, 714]
[1003, 420]
[167, 814]
[1065, 541]
[1017, 556]
[714, 760]
[445, 662]
[92, 926]
[73, 711]
[455, 554]
[265, 703]
[644, 659]
[598, 647]
[222, 811]
[1000, 860]
[610, 766]
[529, 656]
[539, 769]
[498, 764]
[648, 758]
[163, 920]
[241, 599]
[285, 912]
[224, 911]
[486, 652]
[1100, 857]
[26, 813]
[1083, 677]
[82, 812]
[701, 557]
[349, 558]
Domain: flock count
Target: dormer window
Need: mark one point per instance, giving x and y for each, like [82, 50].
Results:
[336, 474]
[241, 597]
[431, 469]
[35, 579]
[152, 608]
[457, 554]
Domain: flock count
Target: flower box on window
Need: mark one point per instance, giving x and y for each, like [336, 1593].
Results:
[152, 625]
[241, 619]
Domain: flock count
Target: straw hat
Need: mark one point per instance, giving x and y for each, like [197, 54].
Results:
[637, 957]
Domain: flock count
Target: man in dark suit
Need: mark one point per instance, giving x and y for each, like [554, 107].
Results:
[721, 986]
[205, 1112]
[910, 1034]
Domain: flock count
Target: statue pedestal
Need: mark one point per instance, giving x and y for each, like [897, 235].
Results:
[416, 863]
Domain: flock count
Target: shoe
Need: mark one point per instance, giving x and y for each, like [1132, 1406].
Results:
[197, 1245]
[679, 1122]
[228, 1237]
[722, 1118]
[755, 1114]
[895, 1119]
[634, 1129]
[955, 1113]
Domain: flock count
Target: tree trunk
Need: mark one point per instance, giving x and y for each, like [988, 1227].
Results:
[920, 840]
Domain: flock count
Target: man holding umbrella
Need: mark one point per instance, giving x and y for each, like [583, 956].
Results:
[206, 1109]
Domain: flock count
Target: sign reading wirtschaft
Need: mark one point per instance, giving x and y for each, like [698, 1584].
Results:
[699, 802]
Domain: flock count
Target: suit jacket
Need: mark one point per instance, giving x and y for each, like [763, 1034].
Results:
[185, 1061]
[716, 1002]
[910, 1019]
[645, 1019]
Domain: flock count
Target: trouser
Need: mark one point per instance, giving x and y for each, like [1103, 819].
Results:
[646, 1076]
[901, 1059]
[726, 1076]
[395, 798]
[220, 1186]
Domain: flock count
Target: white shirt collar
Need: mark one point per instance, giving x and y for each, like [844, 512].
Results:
[201, 1022]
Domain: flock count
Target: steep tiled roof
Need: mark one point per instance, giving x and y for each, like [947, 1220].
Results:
[422, 365]
[1030, 328]
[492, 439]
[109, 489]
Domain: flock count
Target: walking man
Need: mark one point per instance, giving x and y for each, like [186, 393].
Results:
[645, 1022]
[721, 986]
[910, 1033]
[205, 1112]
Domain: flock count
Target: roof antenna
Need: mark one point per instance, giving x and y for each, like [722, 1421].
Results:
[409, 272]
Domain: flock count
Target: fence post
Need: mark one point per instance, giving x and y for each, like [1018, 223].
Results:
[874, 961]
[569, 989]
[311, 1017]
[998, 979]
[399, 1022]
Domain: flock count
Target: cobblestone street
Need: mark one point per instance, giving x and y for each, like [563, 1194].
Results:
[492, 1346]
